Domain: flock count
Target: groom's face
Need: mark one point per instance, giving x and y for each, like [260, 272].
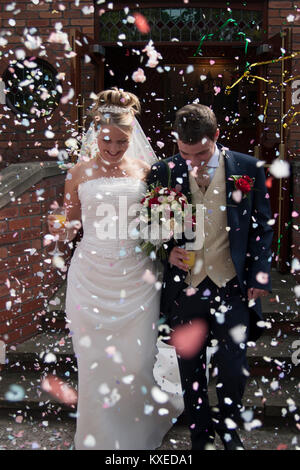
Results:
[200, 153]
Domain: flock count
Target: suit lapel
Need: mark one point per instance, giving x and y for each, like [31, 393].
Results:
[233, 209]
[180, 175]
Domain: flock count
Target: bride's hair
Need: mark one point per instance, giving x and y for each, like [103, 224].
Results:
[115, 107]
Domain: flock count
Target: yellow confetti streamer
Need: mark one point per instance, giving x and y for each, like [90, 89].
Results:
[266, 107]
[292, 119]
[256, 64]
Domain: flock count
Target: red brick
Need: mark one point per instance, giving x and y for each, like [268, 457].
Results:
[19, 336]
[19, 248]
[12, 262]
[45, 195]
[19, 224]
[24, 199]
[9, 212]
[32, 306]
[280, 4]
[273, 14]
[52, 14]
[32, 281]
[88, 30]
[30, 234]
[17, 323]
[37, 244]
[21, 273]
[41, 6]
[74, 14]
[3, 252]
[64, 21]
[3, 227]
[36, 221]
[31, 15]
[3, 301]
[82, 22]
[31, 209]
[6, 238]
[277, 21]
[3, 290]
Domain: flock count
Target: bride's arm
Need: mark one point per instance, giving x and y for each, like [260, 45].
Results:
[72, 202]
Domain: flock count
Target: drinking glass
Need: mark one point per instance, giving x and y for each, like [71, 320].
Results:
[60, 220]
[190, 262]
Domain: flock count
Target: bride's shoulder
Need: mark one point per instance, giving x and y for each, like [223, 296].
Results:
[142, 165]
[77, 172]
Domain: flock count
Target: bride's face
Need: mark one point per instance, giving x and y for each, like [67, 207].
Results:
[113, 142]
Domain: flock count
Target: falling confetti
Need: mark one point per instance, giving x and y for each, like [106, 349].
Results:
[189, 339]
[141, 23]
[59, 389]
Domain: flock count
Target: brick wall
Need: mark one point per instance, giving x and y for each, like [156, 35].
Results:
[16, 144]
[27, 277]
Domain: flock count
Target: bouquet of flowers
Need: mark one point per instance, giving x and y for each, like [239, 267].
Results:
[165, 215]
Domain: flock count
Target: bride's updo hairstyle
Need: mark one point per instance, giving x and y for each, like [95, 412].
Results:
[115, 107]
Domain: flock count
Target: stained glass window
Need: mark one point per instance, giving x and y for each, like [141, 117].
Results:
[184, 24]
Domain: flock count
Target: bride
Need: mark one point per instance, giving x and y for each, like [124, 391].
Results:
[112, 302]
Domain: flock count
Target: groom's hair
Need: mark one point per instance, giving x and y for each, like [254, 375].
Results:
[194, 122]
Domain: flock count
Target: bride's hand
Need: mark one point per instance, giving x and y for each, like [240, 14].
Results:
[177, 256]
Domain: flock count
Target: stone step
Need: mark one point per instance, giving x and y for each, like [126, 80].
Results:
[25, 393]
[270, 356]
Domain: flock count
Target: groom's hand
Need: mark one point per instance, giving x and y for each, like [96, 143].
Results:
[177, 257]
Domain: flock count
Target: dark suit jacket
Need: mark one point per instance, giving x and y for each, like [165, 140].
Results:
[250, 235]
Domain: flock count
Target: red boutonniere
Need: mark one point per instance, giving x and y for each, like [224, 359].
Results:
[243, 183]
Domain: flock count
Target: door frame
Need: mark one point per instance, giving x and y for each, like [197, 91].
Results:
[271, 50]
[84, 45]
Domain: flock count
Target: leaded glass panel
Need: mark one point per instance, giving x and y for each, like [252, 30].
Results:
[184, 24]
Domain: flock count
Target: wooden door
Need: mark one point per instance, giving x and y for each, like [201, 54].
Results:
[272, 135]
[182, 78]
[87, 76]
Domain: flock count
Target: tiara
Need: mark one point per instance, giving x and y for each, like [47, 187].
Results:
[113, 109]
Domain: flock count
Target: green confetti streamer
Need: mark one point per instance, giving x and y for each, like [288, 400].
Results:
[209, 36]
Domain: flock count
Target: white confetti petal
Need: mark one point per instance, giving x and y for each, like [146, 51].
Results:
[159, 396]
[128, 379]
[280, 168]
[238, 333]
[89, 441]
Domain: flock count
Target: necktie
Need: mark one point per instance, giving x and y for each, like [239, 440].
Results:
[202, 179]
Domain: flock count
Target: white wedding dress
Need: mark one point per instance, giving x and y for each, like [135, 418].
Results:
[113, 314]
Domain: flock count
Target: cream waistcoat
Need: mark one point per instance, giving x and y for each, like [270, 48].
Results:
[214, 259]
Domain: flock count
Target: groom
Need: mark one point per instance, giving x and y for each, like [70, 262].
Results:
[231, 271]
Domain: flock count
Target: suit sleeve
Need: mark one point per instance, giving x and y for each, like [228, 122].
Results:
[157, 175]
[260, 235]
